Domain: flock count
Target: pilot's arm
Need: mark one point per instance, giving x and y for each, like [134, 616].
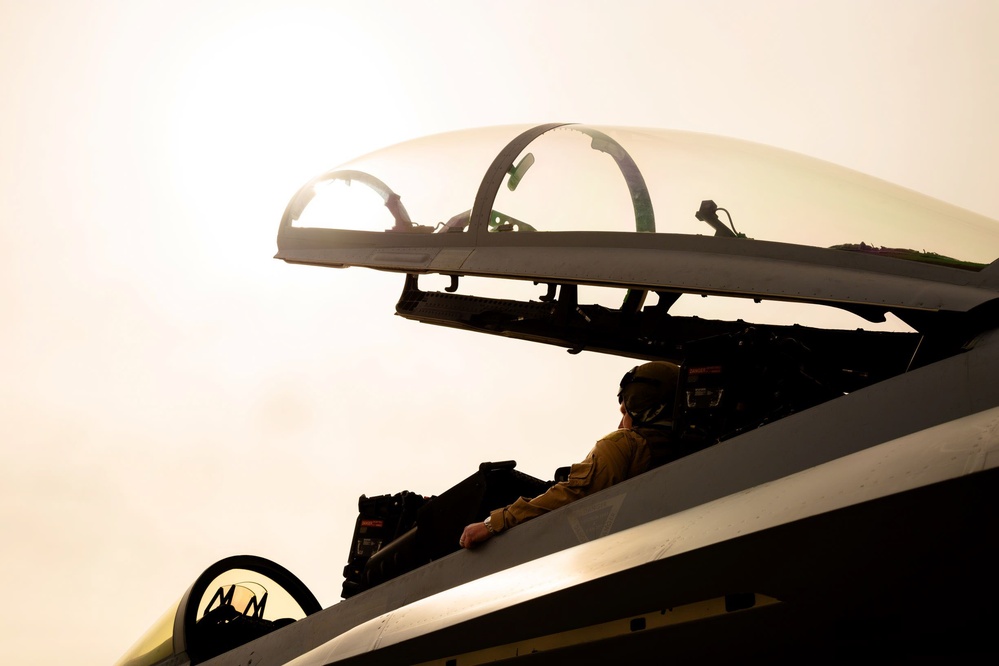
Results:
[618, 456]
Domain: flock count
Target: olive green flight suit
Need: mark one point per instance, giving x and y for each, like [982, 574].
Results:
[620, 455]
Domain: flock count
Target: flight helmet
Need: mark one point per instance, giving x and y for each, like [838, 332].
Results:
[648, 391]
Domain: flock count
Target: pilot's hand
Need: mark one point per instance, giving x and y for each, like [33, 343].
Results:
[473, 534]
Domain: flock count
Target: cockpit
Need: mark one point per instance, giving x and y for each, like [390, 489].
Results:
[653, 215]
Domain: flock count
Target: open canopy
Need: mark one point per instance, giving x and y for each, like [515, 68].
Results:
[654, 209]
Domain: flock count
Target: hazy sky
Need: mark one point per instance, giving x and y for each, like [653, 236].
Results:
[171, 395]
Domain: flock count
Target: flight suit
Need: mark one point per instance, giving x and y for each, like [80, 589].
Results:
[620, 455]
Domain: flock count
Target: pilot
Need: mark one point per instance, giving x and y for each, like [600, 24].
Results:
[643, 440]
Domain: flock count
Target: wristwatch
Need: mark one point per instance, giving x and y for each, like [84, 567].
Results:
[488, 526]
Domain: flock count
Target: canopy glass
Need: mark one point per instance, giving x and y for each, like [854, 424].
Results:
[583, 178]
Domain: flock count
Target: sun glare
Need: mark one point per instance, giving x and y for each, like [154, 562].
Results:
[236, 91]
[339, 204]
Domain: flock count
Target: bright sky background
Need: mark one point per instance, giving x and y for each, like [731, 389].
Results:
[171, 395]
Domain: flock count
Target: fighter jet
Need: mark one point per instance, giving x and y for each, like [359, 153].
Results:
[837, 500]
